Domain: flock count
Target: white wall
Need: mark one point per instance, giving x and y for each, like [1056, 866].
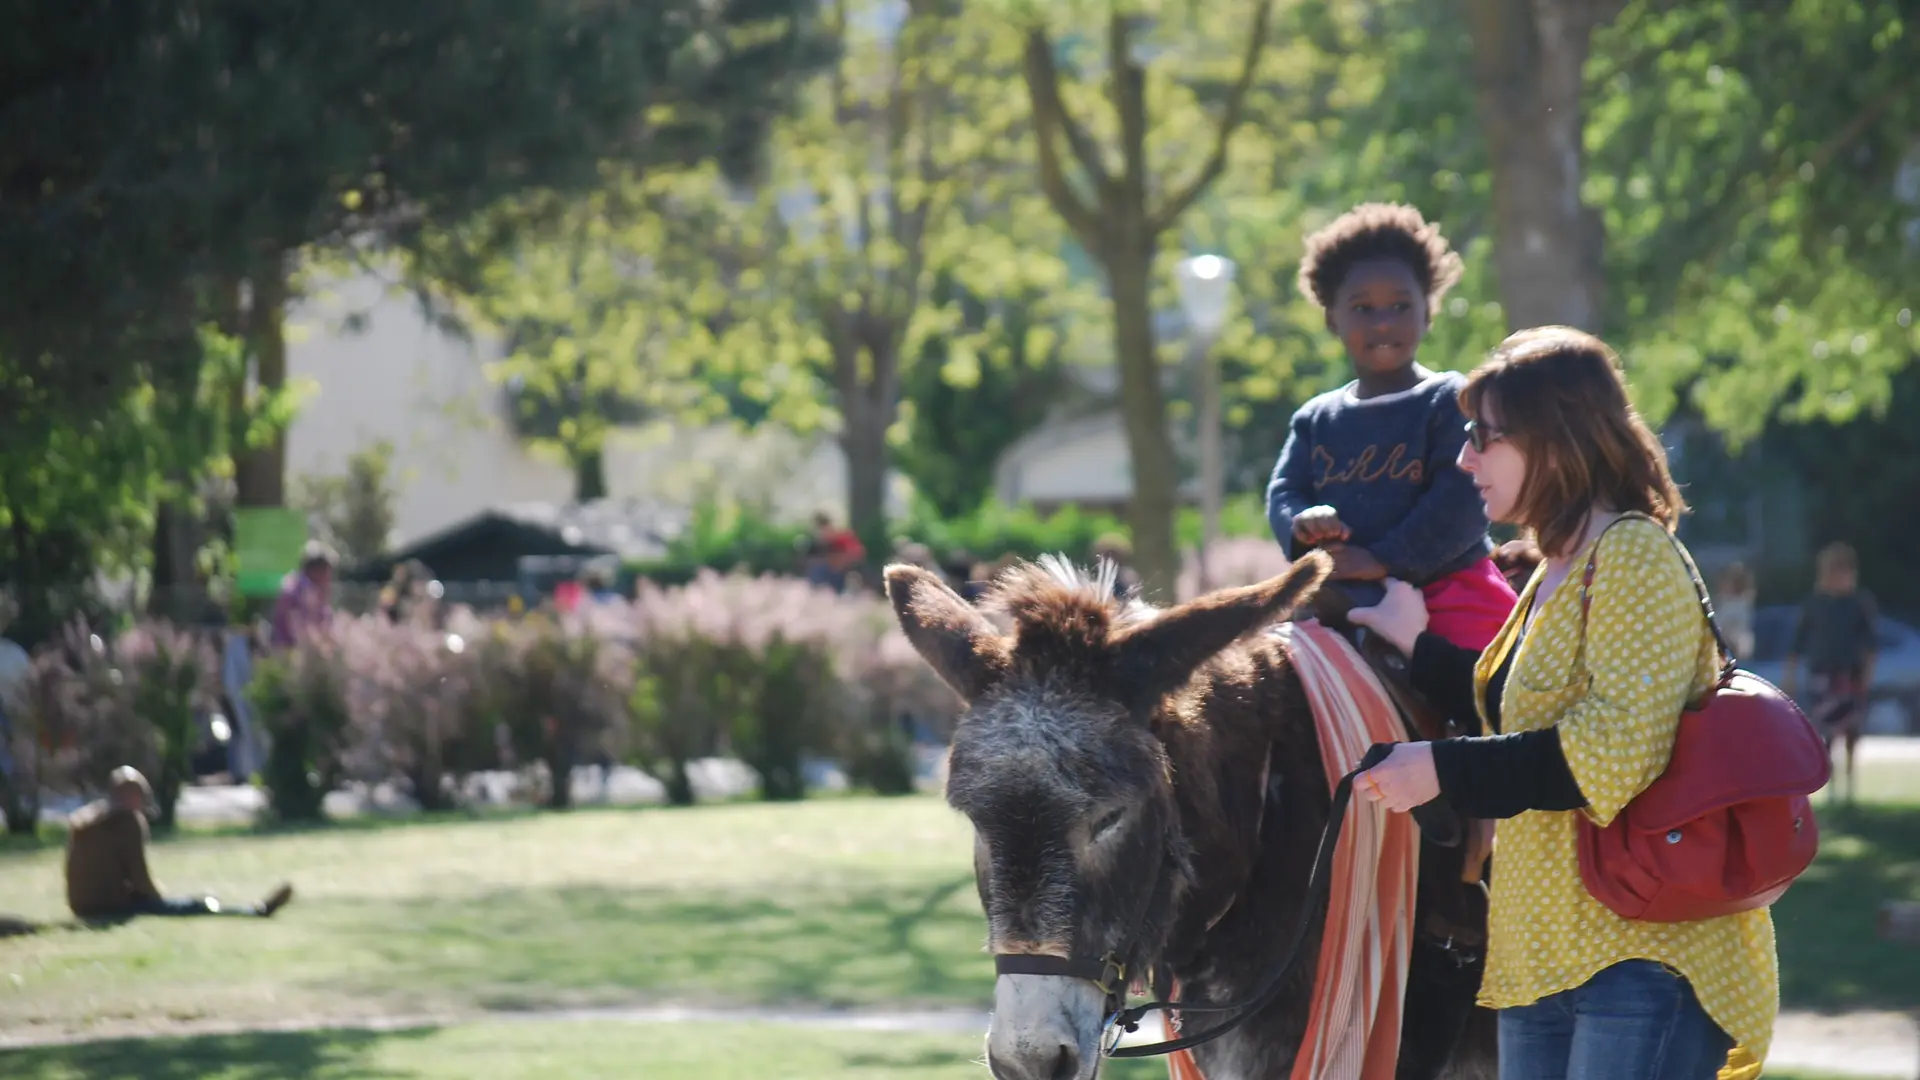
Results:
[398, 377]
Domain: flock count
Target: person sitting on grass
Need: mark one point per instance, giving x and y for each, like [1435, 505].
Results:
[107, 874]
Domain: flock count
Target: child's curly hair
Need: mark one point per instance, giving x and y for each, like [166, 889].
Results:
[1378, 231]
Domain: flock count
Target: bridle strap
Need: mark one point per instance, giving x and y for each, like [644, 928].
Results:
[1041, 964]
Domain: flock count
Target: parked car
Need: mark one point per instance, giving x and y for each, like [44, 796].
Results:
[1895, 693]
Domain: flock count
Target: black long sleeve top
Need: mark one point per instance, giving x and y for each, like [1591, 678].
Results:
[1489, 775]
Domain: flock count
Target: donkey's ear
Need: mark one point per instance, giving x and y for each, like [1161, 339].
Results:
[1157, 657]
[952, 635]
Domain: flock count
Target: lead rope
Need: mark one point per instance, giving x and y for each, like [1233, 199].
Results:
[1126, 1021]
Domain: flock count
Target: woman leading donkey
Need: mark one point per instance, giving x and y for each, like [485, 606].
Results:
[1581, 697]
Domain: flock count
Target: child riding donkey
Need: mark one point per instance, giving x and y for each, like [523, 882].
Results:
[1368, 471]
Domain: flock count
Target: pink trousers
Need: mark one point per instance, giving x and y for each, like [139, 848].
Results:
[1468, 607]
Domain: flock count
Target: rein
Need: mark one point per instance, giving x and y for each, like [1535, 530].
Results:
[1110, 974]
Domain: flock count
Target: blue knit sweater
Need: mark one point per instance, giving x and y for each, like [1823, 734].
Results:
[1387, 465]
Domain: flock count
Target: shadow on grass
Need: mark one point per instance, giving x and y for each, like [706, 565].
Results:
[1831, 957]
[862, 943]
[303, 1055]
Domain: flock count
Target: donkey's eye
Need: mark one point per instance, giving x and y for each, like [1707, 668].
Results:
[1106, 822]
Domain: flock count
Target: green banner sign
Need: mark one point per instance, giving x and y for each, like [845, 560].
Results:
[267, 543]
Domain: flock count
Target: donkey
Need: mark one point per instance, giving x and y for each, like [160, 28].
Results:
[1145, 789]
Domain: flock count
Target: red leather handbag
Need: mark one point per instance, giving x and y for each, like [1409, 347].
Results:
[1729, 825]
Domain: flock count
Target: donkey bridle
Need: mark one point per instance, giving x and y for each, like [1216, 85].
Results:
[1109, 972]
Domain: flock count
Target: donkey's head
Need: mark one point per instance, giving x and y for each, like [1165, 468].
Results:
[1078, 853]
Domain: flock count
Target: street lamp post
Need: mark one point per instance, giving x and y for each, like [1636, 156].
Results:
[1206, 285]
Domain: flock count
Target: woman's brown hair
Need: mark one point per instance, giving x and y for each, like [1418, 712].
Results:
[1558, 394]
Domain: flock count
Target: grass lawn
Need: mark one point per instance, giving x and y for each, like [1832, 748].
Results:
[843, 901]
[846, 901]
[541, 1050]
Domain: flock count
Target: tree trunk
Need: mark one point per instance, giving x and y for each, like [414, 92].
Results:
[560, 762]
[1529, 56]
[589, 476]
[176, 581]
[1143, 410]
[260, 476]
[867, 407]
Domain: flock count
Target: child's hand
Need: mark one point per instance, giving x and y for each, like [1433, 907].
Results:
[1356, 564]
[1319, 525]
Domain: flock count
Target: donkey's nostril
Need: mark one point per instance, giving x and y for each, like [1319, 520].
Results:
[1067, 1065]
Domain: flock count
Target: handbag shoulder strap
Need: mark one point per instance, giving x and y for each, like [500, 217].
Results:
[1728, 661]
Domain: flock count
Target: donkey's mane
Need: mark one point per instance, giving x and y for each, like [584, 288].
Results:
[1053, 591]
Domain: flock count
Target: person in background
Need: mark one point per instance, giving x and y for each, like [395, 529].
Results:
[1580, 696]
[1836, 640]
[832, 553]
[1368, 471]
[305, 602]
[16, 666]
[1733, 599]
[107, 875]
[406, 590]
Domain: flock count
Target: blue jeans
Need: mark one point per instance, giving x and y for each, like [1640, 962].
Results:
[1637, 1020]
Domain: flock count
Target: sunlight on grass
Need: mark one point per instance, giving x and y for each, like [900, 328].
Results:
[852, 901]
[847, 901]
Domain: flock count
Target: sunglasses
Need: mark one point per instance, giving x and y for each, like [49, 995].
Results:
[1480, 436]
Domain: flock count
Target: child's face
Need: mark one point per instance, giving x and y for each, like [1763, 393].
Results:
[1838, 578]
[1380, 315]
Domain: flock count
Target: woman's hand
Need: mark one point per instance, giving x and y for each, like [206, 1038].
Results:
[1400, 617]
[1406, 779]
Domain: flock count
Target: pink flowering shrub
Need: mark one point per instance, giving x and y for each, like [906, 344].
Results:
[748, 664]
[559, 688]
[892, 693]
[1240, 560]
[167, 677]
[412, 703]
[40, 751]
[89, 705]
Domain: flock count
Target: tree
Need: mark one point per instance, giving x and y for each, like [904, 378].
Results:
[160, 158]
[1761, 235]
[354, 510]
[899, 166]
[149, 143]
[1748, 234]
[963, 412]
[811, 290]
[1530, 59]
[1120, 211]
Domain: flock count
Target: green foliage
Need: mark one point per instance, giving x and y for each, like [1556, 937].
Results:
[809, 298]
[1758, 234]
[146, 144]
[995, 529]
[353, 511]
[1874, 508]
[300, 699]
[961, 415]
[727, 538]
[77, 494]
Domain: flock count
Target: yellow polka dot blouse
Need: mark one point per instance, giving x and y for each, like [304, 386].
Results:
[1648, 652]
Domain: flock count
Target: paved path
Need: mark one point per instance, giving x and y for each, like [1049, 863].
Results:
[1879, 1045]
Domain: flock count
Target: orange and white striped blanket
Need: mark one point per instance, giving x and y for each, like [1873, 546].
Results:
[1353, 1030]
